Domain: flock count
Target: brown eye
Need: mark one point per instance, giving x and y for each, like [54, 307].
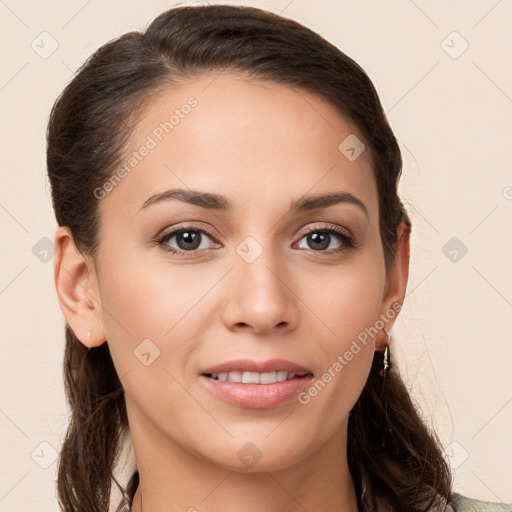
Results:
[187, 239]
[319, 240]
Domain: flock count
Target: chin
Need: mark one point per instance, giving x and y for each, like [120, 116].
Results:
[255, 457]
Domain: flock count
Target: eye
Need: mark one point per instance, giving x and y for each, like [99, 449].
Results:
[188, 239]
[319, 239]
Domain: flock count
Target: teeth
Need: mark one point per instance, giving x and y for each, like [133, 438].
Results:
[255, 377]
[251, 378]
[282, 376]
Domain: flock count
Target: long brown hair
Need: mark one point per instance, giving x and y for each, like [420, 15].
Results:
[390, 448]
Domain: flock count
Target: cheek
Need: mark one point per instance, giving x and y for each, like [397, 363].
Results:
[349, 310]
[347, 300]
[348, 303]
[149, 319]
[146, 299]
[159, 303]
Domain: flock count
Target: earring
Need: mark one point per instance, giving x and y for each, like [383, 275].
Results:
[88, 335]
[387, 361]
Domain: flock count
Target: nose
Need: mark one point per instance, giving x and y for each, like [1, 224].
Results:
[260, 296]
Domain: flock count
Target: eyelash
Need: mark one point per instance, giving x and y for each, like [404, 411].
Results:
[347, 241]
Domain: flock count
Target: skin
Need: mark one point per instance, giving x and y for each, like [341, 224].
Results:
[257, 143]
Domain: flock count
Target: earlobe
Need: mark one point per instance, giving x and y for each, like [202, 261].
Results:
[397, 277]
[76, 285]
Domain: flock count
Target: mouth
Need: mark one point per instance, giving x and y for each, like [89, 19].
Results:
[249, 371]
[258, 378]
[256, 385]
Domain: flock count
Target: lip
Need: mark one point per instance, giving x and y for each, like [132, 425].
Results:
[249, 365]
[256, 396]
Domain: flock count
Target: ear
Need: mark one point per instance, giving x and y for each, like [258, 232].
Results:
[77, 289]
[396, 282]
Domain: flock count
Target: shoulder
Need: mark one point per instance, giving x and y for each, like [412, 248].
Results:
[465, 504]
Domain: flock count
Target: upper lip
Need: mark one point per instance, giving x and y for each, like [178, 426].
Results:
[249, 365]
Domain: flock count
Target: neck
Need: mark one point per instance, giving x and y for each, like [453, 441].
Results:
[173, 479]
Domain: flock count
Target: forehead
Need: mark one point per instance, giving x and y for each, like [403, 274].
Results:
[252, 140]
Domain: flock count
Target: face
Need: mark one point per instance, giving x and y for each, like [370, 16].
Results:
[189, 284]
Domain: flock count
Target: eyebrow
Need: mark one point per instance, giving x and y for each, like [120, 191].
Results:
[221, 203]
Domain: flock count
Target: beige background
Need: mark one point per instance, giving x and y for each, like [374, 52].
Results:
[451, 112]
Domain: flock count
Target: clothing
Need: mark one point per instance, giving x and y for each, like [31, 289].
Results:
[464, 504]
[456, 503]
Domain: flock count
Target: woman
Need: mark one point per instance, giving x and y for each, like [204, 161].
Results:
[231, 256]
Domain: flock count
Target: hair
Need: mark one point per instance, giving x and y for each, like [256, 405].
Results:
[392, 455]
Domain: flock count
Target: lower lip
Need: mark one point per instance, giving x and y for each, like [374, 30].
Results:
[256, 396]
